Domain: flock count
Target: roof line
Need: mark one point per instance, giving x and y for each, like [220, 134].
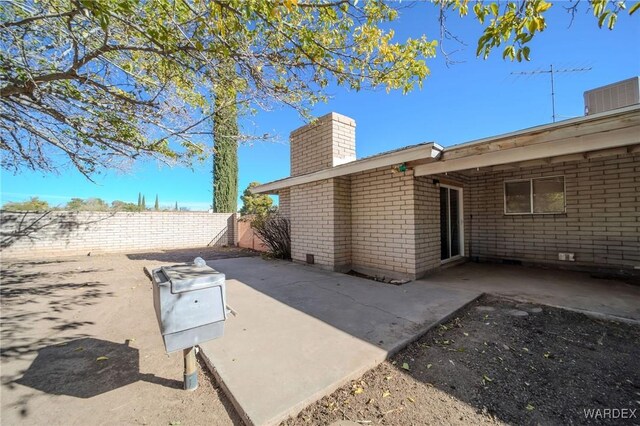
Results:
[432, 152]
[429, 150]
[544, 127]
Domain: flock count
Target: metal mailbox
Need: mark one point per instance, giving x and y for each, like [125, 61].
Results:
[190, 304]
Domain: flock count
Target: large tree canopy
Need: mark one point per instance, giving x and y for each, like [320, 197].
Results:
[99, 81]
[92, 83]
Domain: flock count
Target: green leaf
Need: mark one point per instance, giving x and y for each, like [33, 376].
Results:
[405, 366]
[634, 8]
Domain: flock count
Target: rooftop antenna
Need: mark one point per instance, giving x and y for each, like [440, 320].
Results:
[551, 72]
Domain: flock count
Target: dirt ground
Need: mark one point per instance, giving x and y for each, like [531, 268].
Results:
[60, 317]
[80, 344]
[498, 361]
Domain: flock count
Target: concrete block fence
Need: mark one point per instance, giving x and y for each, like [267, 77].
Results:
[55, 233]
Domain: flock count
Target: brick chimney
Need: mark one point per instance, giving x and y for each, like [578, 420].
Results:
[327, 142]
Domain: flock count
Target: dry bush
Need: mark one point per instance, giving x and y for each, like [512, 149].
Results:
[275, 231]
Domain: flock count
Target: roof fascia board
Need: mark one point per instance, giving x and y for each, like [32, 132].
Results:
[430, 150]
[571, 145]
[548, 127]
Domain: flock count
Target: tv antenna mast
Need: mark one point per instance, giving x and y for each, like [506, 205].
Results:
[551, 71]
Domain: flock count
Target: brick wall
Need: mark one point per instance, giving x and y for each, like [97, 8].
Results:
[601, 225]
[383, 223]
[284, 202]
[327, 142]
[313, 222]
[342, 223]
[427, 218]
[70, 233]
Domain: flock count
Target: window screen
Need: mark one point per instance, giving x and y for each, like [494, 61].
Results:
[517, 197]
[548, 195]
[538, 195]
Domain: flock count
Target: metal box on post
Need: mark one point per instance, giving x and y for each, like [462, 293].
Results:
[190, 304]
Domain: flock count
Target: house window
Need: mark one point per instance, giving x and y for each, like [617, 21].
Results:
[544, 195]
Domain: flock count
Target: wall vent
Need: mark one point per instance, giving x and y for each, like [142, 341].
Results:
[612, 96]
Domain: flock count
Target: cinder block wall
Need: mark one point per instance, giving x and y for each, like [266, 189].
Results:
[59, 233]
[601, 225]
[329, 141]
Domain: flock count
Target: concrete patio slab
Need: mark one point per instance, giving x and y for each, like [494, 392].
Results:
[578, 291]
[299, 332]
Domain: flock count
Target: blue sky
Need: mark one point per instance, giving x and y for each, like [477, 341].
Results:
[469, 100]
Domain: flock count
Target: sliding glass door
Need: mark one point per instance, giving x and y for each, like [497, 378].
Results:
[451, 238]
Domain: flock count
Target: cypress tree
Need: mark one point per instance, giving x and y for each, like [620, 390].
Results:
[225, 137]
[156, 206]
[176, 206]
[144, 204]
[139, 200]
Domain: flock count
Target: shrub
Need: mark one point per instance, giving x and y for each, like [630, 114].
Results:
[275, 231]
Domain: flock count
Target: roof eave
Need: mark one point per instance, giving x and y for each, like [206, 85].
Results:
[427, 151]
[575, 136]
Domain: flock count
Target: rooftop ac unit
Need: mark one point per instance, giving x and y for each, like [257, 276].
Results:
[612, 96]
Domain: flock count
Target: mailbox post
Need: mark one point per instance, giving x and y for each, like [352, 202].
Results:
[190, 305]
[190, 369]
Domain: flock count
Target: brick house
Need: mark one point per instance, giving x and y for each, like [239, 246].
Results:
[563, 194]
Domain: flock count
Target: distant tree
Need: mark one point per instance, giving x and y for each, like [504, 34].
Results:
[75, 204]
[185, 209]
[33, 204]
[156, 206]
[118, 205]
[143, 206]
[176, 208]
[255, 204]
[139, 200]
[90, 204]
